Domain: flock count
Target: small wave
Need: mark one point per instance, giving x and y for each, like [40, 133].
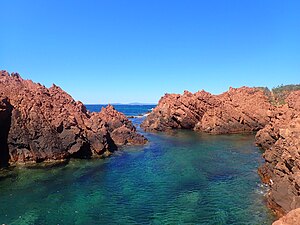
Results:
[139, 116]
[262, 189]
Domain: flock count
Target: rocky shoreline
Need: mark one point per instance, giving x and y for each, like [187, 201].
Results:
[281, 141]
[39, 124]
[245, 110]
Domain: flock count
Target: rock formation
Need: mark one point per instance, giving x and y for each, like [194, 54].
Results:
[281, 141]
[292, 218]
[243, 110]
[40, 124]
[239, 110]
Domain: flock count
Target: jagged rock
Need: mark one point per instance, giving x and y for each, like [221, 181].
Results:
[242, 110]
[239, 110]
[120, 127]
[48, 124]
[281, 141]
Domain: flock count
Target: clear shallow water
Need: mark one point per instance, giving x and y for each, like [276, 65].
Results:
[178, 178]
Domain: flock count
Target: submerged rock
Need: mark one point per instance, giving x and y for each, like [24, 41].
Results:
[43, 124]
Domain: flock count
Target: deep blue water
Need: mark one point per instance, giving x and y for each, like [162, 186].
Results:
[181, 177]
[128, 110]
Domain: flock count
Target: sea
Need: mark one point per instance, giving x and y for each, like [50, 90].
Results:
[179, 177]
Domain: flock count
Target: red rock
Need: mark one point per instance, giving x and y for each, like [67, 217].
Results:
[47, 124]
[281, 141]
[243, 110]
[120, 127]
[239, 110]
[292, 218]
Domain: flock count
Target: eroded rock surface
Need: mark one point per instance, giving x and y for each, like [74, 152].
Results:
[281, 141]
[44, 124]
[239, 110]
[243, 110]
[292, 218]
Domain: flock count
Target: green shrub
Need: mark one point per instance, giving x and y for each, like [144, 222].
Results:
[281, 92]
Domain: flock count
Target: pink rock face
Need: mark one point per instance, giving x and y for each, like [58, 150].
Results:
[292, 218]
[47, 124]
[281, 141]
[239, 110]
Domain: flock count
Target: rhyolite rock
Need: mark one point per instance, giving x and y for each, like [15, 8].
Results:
[239, 110]
[45, 124]
[292, 218]
[281, 141]
[244, 110]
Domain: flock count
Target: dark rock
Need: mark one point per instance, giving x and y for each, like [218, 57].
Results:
[5, 122]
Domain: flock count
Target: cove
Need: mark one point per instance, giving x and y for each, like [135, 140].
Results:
[178, 178]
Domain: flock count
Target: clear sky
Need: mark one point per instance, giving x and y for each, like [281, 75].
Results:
[136, 50]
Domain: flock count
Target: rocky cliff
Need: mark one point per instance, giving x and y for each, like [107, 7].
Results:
[281, 141]
[239, 110]
[243, 110]
[44, 124]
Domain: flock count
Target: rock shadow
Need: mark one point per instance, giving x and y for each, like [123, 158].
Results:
[5, 123]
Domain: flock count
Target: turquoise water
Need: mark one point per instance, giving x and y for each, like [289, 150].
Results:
[178, 178]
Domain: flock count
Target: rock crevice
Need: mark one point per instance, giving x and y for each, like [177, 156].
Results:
[5, 123]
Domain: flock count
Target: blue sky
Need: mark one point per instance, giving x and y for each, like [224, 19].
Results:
[107, 51]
